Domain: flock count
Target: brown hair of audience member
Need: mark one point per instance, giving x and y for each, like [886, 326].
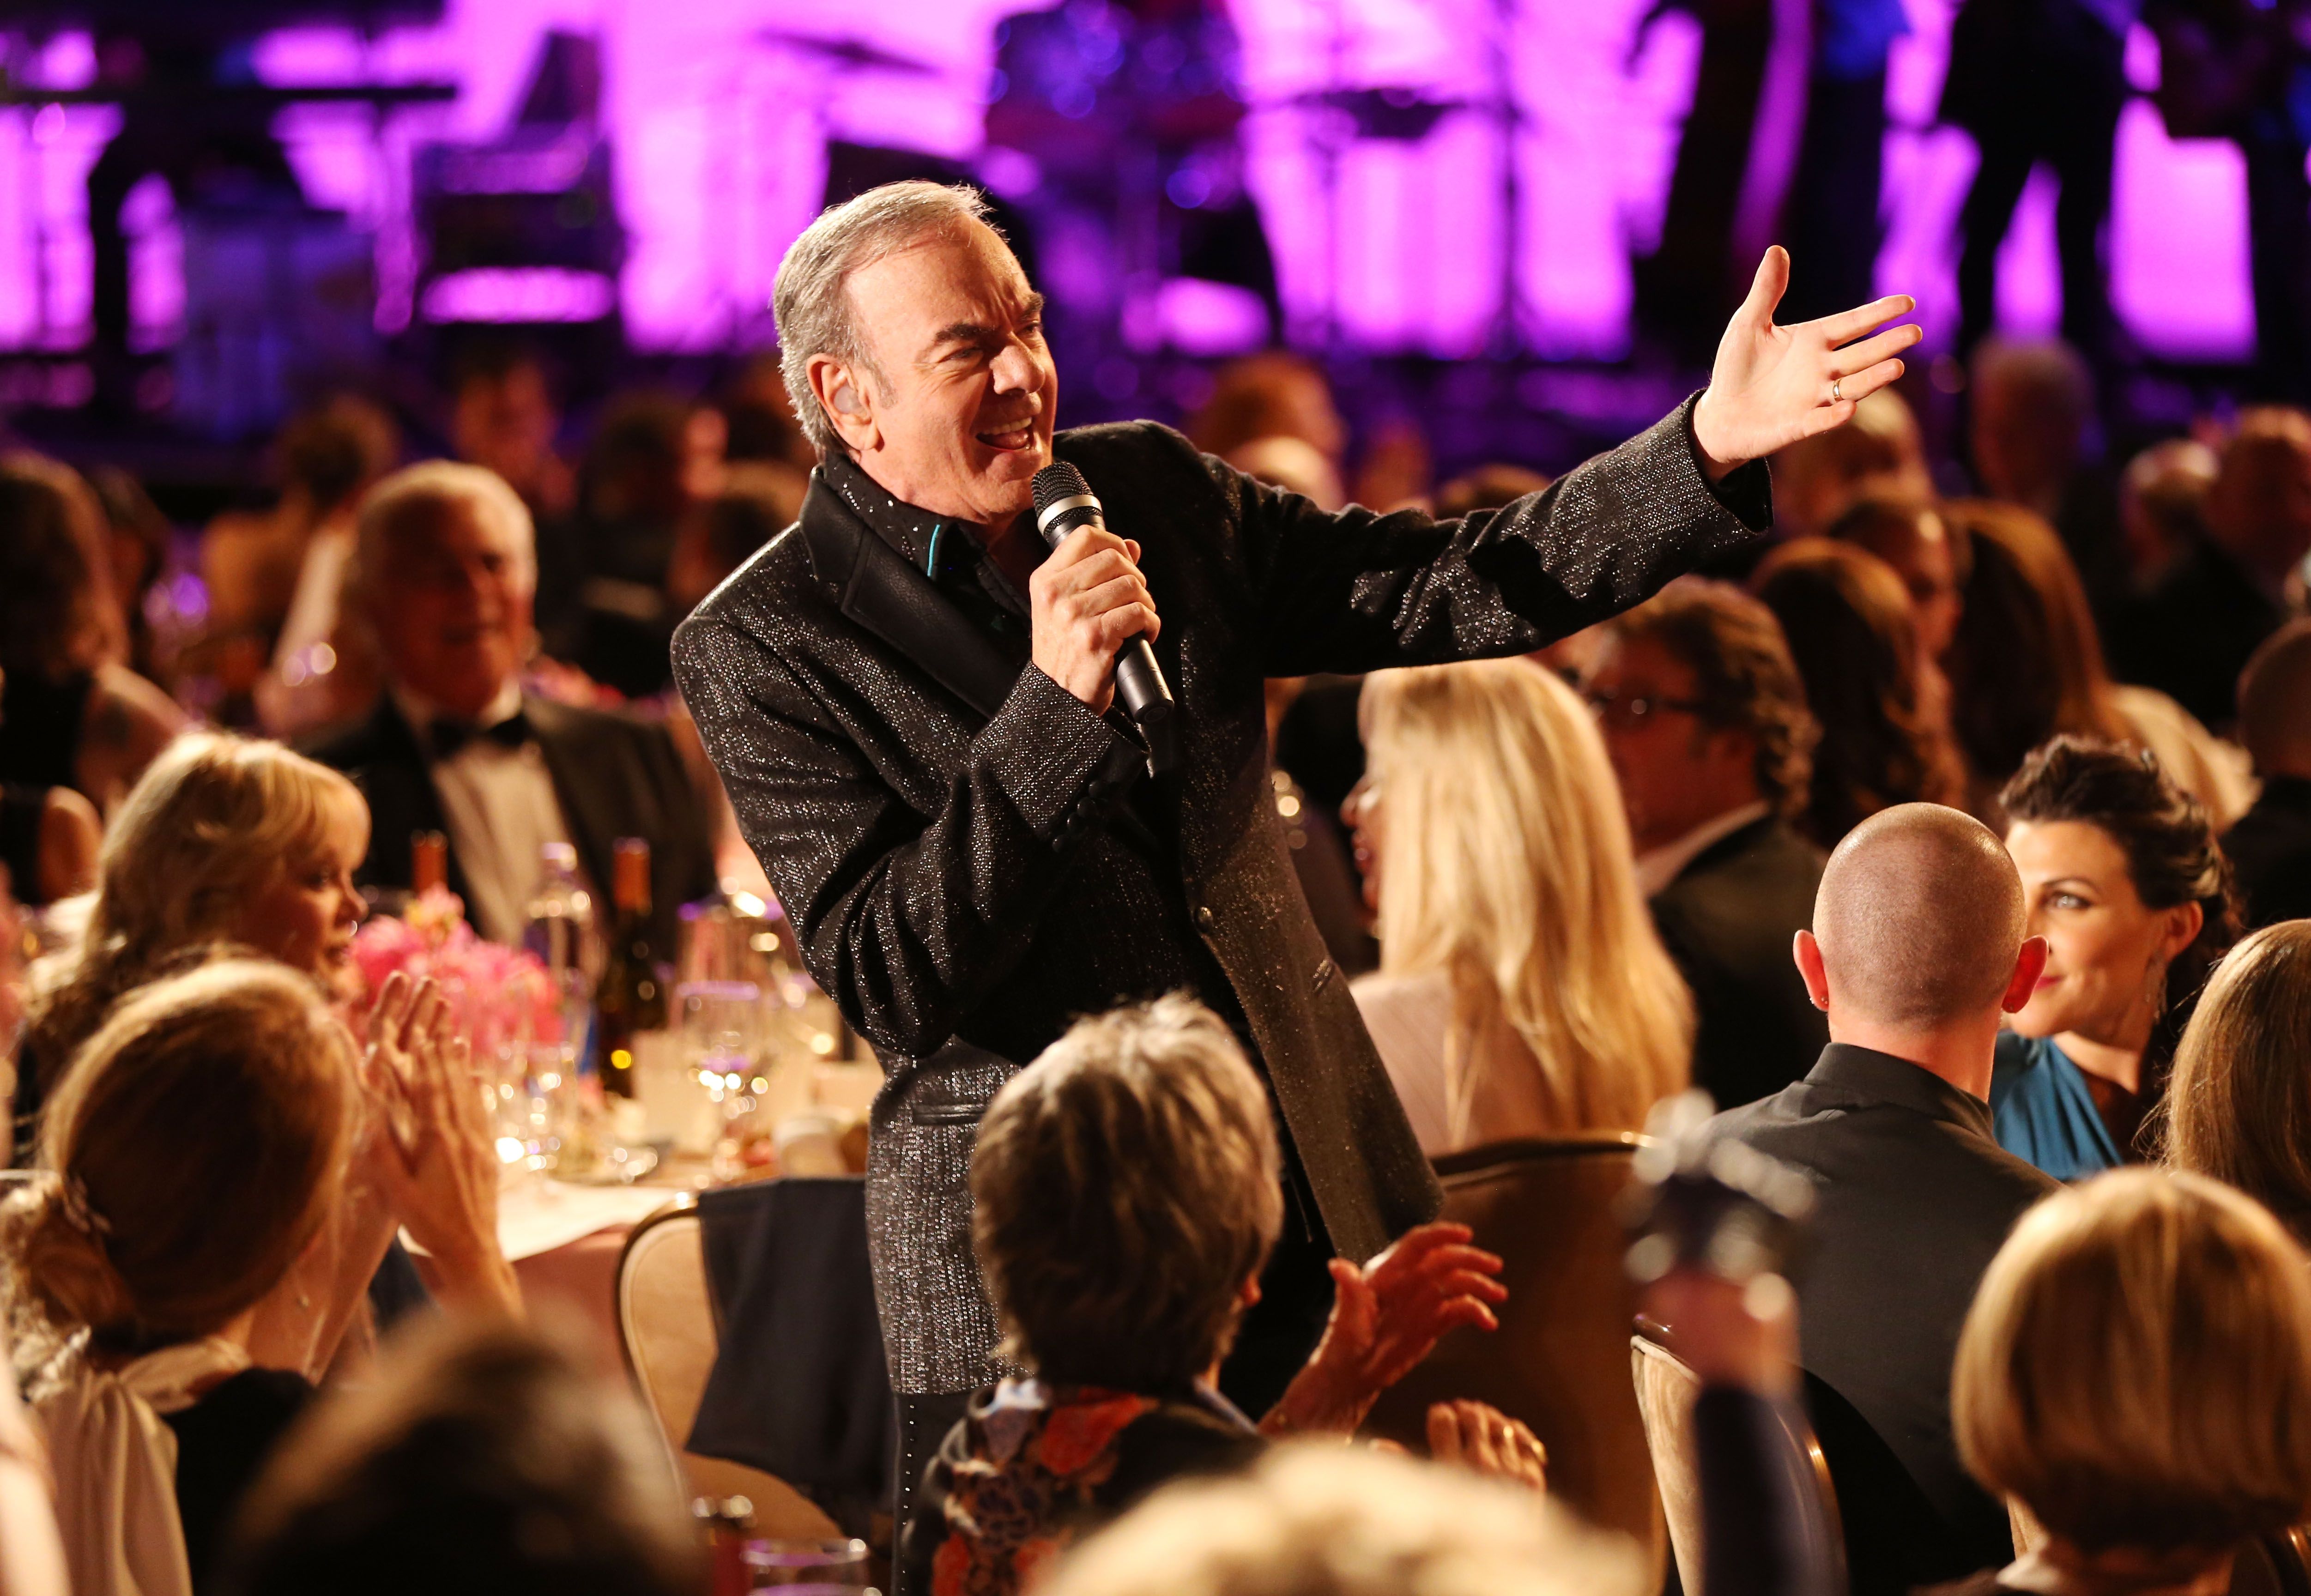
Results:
[1506, 865]
[2172, 856]
[651, 457]
[1744, 677]
[2162, 502]
[1924, 548]
[480, 1457]
[188, 1156]
[1846, 617]
[58, 612]
[759, 500]
[1124, 1190]
[1276, 394]
[330, 454]
[2274, 703]
[212, 820]
[2238, 1106]
[2259, 508]
[2136, 1371]
[2026, 664]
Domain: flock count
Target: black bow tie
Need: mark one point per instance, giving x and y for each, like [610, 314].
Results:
[447, 736]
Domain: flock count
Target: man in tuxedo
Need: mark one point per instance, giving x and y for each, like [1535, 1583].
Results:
[445, 573]
[1706, 723]
[1916, 950]
[2270, 846]
[910, 702]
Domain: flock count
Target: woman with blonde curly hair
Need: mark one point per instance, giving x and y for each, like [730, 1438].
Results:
[224, 840]
[220, 1174]
[1522, 991]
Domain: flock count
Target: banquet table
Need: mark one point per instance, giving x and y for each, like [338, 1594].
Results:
[564, 1238]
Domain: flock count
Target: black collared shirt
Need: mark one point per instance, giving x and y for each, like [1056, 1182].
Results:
[944, 549]
[1913, 1199]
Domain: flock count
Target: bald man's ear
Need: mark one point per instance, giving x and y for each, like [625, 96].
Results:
[2028, 965]
[847, 400]
[1807, 954]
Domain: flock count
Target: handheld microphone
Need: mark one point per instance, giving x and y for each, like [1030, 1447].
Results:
[1064, 504]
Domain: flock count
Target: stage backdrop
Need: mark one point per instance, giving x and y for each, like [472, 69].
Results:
[1544, 130]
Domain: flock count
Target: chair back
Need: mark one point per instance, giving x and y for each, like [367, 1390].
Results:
[1666, 1389]
[1546, 1206]
[666, 1328]
[2274, 1565]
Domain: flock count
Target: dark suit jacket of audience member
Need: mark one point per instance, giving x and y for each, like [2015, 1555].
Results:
[617, 777]
[2191, 635]
[2271, 848]
[1914, 1198]
[1728, 919]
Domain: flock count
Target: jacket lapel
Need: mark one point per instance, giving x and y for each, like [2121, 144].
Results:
[395, 780]
[898, 603]
[582, 794]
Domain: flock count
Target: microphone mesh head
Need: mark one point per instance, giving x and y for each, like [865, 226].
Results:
[1055, 481]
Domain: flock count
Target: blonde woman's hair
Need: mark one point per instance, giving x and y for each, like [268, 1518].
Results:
[187, 1159]
[1125, 1186]
[2238, 1105]
[2136, 1368]
[1507, 866]
[212, 820]
[1344, 1520]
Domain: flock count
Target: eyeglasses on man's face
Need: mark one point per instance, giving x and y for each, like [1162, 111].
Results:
[1626, 712]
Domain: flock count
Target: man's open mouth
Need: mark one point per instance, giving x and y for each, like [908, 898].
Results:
[1007, 438]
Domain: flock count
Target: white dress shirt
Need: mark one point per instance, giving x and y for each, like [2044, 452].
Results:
[1660, 866]
[500, 809]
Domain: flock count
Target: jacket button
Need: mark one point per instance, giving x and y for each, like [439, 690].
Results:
[1204, 916]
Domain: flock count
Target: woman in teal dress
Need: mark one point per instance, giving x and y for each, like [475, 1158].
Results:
[2123, 878]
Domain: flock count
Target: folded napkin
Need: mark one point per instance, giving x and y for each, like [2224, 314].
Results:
[799, 1389]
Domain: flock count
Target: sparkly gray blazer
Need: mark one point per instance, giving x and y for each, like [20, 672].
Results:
[956, 840]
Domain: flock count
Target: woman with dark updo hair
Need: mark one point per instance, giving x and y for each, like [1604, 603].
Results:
[2121, 875]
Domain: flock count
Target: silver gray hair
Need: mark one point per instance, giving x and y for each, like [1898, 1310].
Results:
[812, 301]
[435, 484]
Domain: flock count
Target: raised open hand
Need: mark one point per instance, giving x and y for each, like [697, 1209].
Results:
[1773, 385]
[1386, 1317]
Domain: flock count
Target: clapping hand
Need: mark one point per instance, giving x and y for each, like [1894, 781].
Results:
[436, 1165]
[1480, 1436]
[1773, 385]
[1386, 1317]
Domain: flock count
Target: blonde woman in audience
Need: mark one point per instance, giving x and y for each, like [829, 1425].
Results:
[224, 840]
[220, 1174]
[2238, 1105]
[2136, 1373]
[1522, 991]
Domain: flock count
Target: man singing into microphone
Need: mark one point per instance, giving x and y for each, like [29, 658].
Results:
[910, 701]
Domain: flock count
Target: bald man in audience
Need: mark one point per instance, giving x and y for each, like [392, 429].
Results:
[1917, 949]
[2271, 845]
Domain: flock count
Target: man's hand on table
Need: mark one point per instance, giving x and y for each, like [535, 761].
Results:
[1773, 385]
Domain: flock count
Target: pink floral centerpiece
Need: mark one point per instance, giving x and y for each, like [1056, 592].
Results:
[502, 996]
